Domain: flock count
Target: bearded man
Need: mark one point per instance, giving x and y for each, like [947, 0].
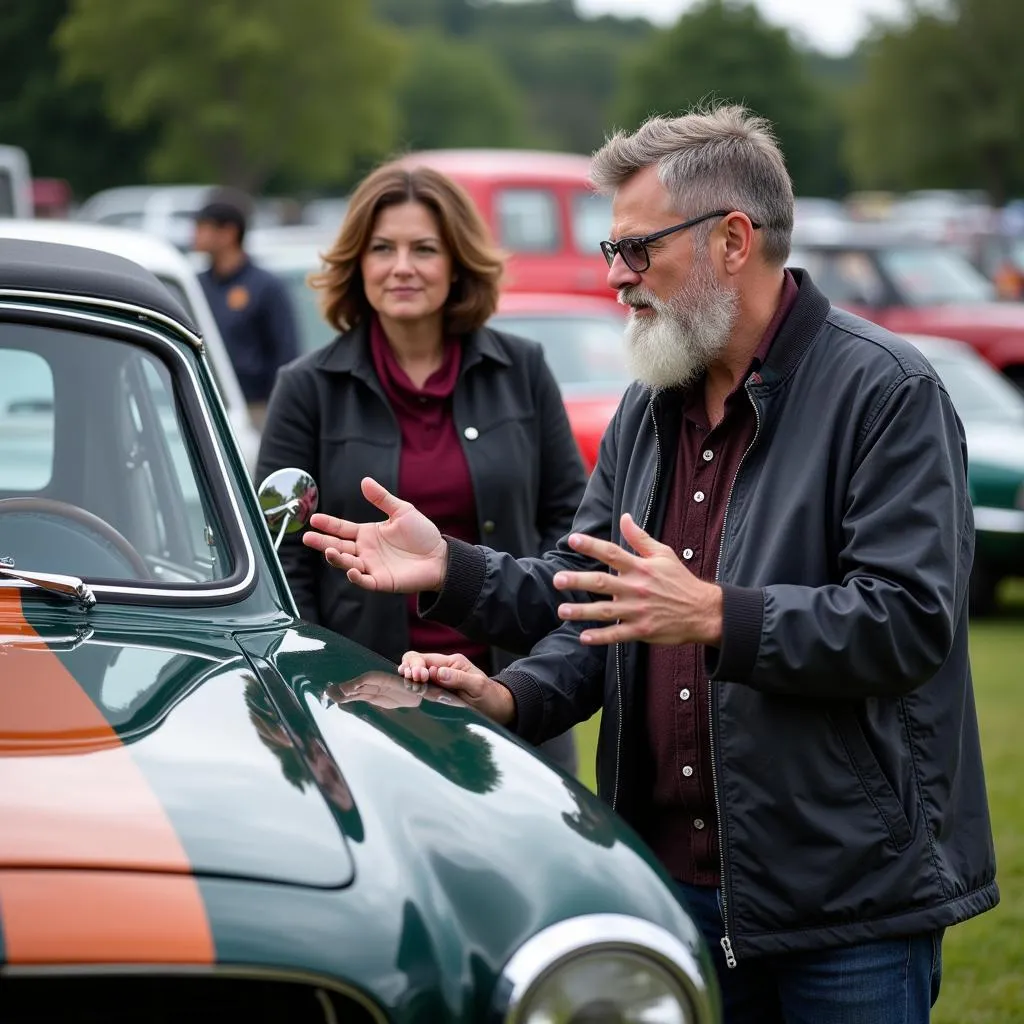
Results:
[765, 592]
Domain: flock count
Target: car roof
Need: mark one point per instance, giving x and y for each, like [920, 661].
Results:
[42, 266]
[856, 236]
[503, 163]
[559, 302]
[150, 251]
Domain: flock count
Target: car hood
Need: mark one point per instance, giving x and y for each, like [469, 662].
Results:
[121, 753]
[423, 843]
[996, 444]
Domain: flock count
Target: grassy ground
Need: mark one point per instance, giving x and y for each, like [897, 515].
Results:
[983, 959]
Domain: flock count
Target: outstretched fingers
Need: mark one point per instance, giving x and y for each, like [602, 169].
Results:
[380, 497]
[332, 526]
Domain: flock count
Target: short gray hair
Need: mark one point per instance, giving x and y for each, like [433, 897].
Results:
[709, 159]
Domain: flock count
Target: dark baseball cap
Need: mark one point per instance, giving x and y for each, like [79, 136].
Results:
[221, 211]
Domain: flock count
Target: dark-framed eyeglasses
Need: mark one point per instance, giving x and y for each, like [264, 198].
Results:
[634, 250]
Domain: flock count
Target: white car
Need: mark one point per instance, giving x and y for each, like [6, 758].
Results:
[173, 269]
[163, 210]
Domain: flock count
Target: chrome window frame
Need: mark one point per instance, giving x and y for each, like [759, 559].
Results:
[563, 942]
[57, 306]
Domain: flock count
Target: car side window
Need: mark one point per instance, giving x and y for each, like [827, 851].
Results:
[26, 421]
[528, 219]
[851, 278]
[166, 471]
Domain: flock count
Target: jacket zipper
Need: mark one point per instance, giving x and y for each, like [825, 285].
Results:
[619, 656]
[726, 942]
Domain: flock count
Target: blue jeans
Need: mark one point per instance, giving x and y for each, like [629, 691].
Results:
[892, 981]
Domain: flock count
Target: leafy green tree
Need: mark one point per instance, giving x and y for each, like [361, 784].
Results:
[725, 51]
[62, 127]
[942, 101]
[240, 89]
[564, 67]
[567, 67]
[453, 94]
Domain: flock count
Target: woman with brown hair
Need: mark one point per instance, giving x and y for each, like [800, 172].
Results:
[465, 422]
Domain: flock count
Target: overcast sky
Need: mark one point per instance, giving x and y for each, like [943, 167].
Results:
[830, 25]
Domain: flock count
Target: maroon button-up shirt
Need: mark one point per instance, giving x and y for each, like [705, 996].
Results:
[432, 472]
[683, 827]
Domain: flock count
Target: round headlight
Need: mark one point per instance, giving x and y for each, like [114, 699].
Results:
[606, 988]
[604, 969]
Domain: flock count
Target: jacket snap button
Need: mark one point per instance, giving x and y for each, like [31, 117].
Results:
[471, 433]
[489, 526]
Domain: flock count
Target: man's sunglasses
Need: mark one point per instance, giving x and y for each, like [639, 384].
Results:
[634, 251]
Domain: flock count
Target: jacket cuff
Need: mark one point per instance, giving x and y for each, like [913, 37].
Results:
[452, 605]
[529, 701]
[742, 622]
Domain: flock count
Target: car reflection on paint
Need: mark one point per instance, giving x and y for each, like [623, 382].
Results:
[215, 811]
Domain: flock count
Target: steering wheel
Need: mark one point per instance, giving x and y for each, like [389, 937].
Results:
[81, 517]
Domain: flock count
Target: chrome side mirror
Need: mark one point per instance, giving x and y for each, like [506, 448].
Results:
[288, 498]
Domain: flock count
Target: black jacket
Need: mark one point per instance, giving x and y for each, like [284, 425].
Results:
[328, 414]
[848, 772]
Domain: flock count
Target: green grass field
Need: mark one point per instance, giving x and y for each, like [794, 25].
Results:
[983, 960]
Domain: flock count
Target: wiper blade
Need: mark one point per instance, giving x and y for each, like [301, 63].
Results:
[55, 583]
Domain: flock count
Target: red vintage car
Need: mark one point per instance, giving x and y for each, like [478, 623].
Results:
[584, 346]
[542, 212]
[911, 286]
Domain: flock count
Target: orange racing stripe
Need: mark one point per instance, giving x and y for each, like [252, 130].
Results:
[112, 917]
[64, 810]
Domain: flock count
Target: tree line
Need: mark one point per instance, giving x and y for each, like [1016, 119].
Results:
[308, 94]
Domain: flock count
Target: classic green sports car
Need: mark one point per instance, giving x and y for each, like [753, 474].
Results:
[992, 411]
[211, 811]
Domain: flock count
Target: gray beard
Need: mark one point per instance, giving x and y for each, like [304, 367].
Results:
[685, 335]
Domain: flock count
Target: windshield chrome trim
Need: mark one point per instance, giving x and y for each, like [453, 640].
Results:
[200, 591]
[111, 304]
[559, 944]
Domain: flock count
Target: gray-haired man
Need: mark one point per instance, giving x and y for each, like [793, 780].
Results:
[776, 543]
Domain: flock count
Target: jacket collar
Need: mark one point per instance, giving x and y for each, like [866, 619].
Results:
[350, 352]
[797, 332]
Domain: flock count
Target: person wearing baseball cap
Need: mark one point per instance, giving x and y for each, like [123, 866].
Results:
[250, 304]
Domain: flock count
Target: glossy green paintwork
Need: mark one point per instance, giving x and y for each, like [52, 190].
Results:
[998, 485]
[340, 822]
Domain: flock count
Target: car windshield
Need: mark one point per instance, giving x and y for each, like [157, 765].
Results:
[100, 475]
[932, 276]
[591, 221]
[584, 352]
[979, 393]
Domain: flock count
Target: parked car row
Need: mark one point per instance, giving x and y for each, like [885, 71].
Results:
[915, 287]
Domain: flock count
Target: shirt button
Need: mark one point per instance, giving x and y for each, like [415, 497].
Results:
[698, 823]
[684, 694]
[699, 496]
[707, 455]
[687, 554]
[471, 433]
[488, 526]
[687, 771]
